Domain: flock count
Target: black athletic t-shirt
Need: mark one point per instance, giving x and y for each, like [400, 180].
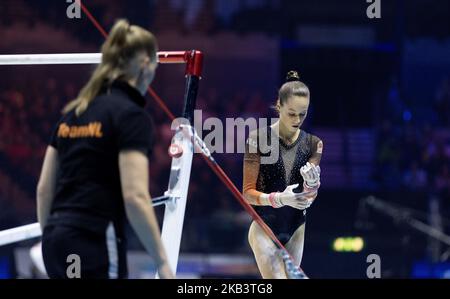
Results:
[88, 191]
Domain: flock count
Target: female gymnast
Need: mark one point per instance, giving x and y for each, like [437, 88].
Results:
[275, 188]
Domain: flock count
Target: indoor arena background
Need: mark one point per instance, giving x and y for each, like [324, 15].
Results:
[380, 101]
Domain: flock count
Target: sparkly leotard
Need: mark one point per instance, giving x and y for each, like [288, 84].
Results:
[276, 176]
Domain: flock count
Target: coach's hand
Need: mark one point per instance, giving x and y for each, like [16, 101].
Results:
[165, 272]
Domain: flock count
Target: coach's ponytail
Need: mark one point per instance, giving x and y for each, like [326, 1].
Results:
[122, 44]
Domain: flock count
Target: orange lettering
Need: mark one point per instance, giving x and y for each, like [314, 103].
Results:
[93, 129]
[98, 131]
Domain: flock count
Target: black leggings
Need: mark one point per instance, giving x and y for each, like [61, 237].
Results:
[97, 260]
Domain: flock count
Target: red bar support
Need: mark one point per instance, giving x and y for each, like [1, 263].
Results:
[193, 60]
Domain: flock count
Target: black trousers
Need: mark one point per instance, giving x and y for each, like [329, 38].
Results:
[101, 256]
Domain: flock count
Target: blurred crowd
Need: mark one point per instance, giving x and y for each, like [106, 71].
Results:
[413, 160]
[187, 16]
[415, 154]
[28, 113]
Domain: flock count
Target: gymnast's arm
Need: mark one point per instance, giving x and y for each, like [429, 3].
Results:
[251, 171]
[46, 186]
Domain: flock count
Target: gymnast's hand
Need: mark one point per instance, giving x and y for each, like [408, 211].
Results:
[311, 175]
[289, 198]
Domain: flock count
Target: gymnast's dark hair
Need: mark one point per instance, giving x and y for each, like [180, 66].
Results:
[292, 87]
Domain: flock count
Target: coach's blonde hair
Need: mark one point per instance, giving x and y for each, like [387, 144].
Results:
[123, 43]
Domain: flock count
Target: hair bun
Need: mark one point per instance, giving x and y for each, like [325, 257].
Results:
[292, 76]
